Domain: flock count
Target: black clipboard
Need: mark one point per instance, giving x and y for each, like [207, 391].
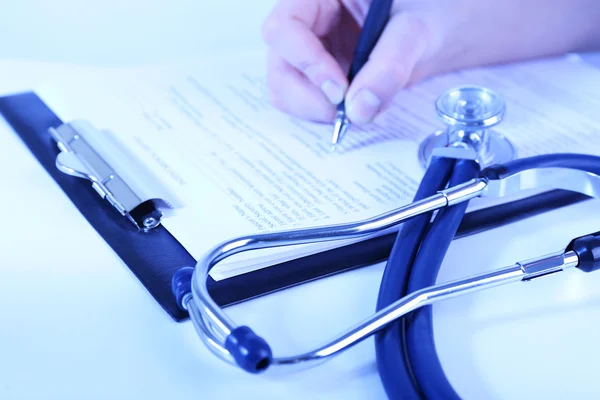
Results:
[153, 254]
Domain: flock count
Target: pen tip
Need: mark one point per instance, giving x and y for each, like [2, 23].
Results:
[339, 128]
[336, 136]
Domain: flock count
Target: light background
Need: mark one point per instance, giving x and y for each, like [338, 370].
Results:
[114, 32]
[74, 322]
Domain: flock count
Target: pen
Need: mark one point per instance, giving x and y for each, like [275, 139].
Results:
[375, 22]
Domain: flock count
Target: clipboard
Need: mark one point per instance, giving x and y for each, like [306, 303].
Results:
[130, 223]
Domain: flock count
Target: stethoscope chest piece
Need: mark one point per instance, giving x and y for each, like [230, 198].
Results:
[469, 113]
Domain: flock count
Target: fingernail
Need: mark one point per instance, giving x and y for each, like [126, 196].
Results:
[333, 91]
[363, 107]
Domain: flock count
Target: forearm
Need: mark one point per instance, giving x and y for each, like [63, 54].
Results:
[589, 31]
[473, 33]
[538, 28]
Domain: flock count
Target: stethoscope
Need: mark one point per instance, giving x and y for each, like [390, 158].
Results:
[466, 160]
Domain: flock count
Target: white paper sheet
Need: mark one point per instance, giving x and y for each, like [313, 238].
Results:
[240, 166]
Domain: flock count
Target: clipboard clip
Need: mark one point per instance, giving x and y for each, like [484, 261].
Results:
[85, 153]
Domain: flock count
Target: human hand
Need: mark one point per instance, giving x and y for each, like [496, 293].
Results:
[311, 44]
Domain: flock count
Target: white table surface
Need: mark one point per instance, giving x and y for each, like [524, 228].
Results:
[76, 324]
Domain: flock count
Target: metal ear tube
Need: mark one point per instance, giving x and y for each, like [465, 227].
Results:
[469, 112]
[241, 346]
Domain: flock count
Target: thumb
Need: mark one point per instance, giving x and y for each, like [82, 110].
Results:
[388, 69]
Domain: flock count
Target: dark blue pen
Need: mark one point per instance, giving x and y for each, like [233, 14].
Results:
[375, 22]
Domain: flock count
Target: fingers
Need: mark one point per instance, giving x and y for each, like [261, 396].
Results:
[293, 93]
[388, 70]
[292, 32]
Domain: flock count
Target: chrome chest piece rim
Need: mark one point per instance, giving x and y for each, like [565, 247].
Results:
[469, 113]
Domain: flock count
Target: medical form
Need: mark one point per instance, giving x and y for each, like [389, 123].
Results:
[240, 166]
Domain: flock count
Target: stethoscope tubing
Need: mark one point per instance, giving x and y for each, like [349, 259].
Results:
[408, 363]
[394, 369]
[419, 341]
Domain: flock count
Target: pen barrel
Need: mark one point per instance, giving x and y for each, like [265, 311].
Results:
[375, 21]
[358, 61]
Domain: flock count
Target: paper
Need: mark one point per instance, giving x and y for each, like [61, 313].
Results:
[238, 169]
[241, 167]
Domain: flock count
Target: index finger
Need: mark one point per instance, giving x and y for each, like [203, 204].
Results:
[389, 68]
[292, 31]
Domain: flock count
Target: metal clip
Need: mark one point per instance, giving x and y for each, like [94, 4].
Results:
[84, 154]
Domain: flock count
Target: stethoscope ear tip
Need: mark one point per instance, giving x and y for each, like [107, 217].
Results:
[250, 352]
[181, 286]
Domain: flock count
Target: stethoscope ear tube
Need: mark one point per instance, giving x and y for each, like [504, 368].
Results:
[250, 352]
[240, 346]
